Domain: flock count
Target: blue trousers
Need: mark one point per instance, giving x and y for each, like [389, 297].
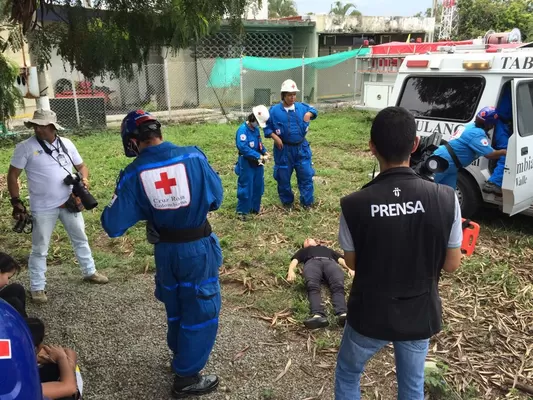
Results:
[356, 350]
[501, 137]
[297, 158]
[502, 140]
[187, 283]
[497, 174]
[250, 186]
[448, 177]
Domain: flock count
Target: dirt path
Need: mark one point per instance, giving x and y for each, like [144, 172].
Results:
[119, 333]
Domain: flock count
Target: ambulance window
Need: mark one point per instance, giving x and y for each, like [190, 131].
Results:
[524, 103]
[444, 97]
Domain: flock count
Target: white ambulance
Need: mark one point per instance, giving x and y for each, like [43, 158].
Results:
[445, 90]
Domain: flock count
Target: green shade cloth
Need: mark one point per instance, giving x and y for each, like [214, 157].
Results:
[226, 72]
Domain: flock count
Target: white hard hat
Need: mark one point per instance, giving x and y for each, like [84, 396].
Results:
[289, 86]
[261, 115]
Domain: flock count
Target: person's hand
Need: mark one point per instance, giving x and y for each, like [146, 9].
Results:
[266, 157]
[18, 210]
[307, 117]
[43, 357]
[291, 276]
[85, 182]
[351, 273]
[71, 356]
[55, 353]
[278, 142]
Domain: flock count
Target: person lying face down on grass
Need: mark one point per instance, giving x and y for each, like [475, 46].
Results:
[321, 264]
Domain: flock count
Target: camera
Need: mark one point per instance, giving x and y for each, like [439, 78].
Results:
[423, 162]
[21, 224]
[86, 198]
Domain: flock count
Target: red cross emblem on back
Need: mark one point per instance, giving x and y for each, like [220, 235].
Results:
[165, 183]
[5, 349]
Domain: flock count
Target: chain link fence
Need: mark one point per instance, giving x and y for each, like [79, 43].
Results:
[179, 91]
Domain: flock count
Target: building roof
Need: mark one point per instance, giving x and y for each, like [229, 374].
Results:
[295, 22]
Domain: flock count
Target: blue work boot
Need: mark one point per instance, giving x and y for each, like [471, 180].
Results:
[197, 385]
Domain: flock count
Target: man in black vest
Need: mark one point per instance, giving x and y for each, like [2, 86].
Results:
[398, 232]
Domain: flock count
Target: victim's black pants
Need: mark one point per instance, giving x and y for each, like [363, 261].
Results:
[15, 295]
[318, 270]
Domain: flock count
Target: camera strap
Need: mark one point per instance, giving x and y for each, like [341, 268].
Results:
[49, 151]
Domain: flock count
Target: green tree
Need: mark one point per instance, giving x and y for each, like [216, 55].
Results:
[10, 96]
[340, 9]
[281, 8]
[114, 35]
[427, 13]
[111, 37]
[476, 17]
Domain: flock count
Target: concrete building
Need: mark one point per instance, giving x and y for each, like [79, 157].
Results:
[341, 33]
[179, 81]
[337, 34]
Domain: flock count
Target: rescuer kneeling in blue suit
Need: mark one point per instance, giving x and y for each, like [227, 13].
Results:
[173, 188]
[18, 363]
[249, 167]
[464, 148]
[288, 126]
[502, 131]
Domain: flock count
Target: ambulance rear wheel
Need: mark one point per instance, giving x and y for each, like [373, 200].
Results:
[468, 194]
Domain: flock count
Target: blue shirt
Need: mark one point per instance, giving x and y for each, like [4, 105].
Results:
[289, 125]
[171, 187]
[248, 142]
[468, 146]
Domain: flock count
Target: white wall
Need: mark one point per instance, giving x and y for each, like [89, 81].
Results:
[326, 23]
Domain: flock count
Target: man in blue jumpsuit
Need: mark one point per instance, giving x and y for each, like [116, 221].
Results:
[502, 132]
[249, 167]
[468, 146]
[19, 376]
[288, 126]
[173, 188]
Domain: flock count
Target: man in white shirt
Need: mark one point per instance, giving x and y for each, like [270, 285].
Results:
[47, 160]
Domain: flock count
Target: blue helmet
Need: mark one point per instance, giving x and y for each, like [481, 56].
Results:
[487, 115]
[19, 376]
[134, 124]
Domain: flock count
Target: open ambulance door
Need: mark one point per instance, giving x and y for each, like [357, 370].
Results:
[517, 187]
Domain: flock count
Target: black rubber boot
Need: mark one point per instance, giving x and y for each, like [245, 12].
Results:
[316, 321]
[341, 319]
[187, 386]
[490, 187]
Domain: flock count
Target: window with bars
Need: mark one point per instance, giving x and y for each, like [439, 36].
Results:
[254, 44]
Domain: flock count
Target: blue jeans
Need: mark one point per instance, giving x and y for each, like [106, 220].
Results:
[356, 350]
[44, 223]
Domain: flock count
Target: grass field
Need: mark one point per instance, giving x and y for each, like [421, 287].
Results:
[488, 307]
